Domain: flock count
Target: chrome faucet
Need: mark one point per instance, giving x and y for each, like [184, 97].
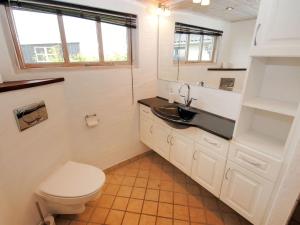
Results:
[187, 98]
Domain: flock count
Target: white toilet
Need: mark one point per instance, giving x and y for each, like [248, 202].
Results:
[70, 187]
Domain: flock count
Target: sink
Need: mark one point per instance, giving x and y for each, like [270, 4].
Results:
[174, 113]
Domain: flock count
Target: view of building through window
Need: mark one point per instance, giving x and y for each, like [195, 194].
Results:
[194, 47]
[41, 39]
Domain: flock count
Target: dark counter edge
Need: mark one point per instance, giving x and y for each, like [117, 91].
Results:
[23, 84]
[226, 69]
[210, 131]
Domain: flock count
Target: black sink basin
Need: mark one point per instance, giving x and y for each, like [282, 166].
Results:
[174, 112]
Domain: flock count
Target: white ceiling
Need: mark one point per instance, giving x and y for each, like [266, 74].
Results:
[243, 9]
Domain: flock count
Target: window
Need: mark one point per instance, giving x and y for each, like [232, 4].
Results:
[44, 39]
[195, 44]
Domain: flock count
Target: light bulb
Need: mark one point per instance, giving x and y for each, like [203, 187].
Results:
[205, 2]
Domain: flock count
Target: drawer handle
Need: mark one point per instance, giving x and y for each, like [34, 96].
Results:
[256, 32]
[145, 111]
[256, 164]
[172, 140]
[226, 174]
[151, 129]
[168, 141]
[210, 142]
[194, 155]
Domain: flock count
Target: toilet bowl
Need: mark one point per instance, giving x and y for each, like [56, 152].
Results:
[70, 187]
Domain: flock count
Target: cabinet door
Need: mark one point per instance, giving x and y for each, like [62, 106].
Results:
[245, 192]
[208, 169]
[161, 136]
[181, 152]
[277, 30]
[146, 131]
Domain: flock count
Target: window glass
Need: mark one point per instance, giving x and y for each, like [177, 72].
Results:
[115, 44]
[194, 47]
[208, 48]
[36, 44]
[82, 40]
[180, 46]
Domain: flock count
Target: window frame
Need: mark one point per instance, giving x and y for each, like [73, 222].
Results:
[66, 63]
[199, 61]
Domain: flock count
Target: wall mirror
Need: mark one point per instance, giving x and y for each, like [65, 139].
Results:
[206, 45]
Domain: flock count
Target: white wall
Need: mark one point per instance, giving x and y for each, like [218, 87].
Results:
[241, 35]
[27, 157]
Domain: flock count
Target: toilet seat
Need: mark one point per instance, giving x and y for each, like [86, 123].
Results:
[73, 180]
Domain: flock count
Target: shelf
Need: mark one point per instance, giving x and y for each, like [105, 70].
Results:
[263, 143]
[285, 108]
[23, 84]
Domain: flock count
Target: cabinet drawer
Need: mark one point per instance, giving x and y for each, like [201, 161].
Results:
[146, 111]
[255, 161]
[217, 144]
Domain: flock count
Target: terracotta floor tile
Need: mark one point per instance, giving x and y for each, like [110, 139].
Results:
[181, 212]
[163, 221]
[211, 203]
[231, 219]
[131, 219]
[141, 182]
[120, 203]
[180, 187]
[165, 210]
[166, 185]
[131, 172]
[195, 201]
[106, 201]
[138, 193]
[135, 205]
[111, 189]
[147, 220]
[125, 191]
[115, 217]
[128, 181]
[153, 184]
[166, 196]
[197, 215]
[143, 173]
[214, 218]
[152, 195]
[150, 208]
[181, 222]
[180, 199]
[99, 215]
[115, 179]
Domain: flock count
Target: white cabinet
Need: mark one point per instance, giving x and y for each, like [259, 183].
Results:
[146, 130]
[161, 139]
[181, 152]
[208, 169]
[245, 192]
[277, 30]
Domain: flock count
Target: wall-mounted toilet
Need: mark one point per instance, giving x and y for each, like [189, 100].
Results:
[70, 187]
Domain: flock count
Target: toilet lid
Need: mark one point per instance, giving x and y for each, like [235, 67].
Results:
[73, 180]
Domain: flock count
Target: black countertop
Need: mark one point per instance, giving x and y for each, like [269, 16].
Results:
[212, 123]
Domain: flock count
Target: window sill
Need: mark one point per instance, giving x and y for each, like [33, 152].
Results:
[23, 84]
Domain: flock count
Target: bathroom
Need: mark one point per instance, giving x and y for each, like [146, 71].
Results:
[100, 112]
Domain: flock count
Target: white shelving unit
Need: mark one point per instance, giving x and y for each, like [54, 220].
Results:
[277, 106]
[270, 104]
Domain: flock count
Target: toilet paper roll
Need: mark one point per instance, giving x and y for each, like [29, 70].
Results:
[91, 120]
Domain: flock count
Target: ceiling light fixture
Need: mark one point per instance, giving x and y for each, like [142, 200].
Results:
[163, 10]
[229, 8]
[202, 2]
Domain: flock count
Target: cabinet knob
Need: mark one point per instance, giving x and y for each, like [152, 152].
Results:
[172, 140]
[226, 174]
[194, 155]
[168, 141]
